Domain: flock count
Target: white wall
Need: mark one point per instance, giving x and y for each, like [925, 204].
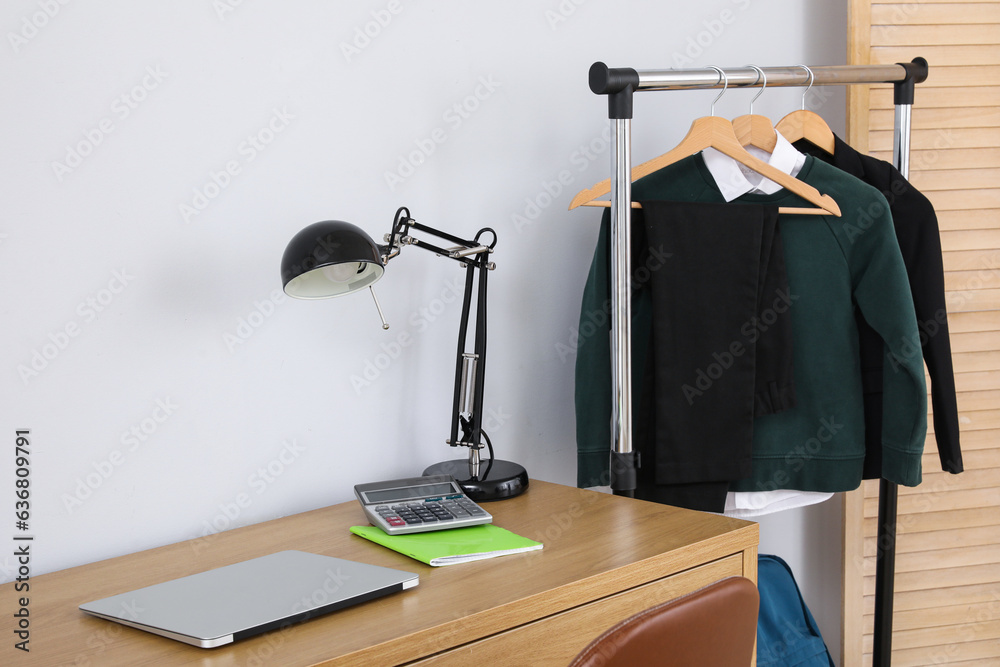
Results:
[116, 302]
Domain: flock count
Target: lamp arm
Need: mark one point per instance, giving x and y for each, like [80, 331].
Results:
[473, 365]
[467, 416]
[400, 236]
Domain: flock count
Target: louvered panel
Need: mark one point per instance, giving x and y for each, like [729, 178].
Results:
[972, 260]
[947, 602]
[968, 362]
[940, 559]
[938, 139]
[907, 35]
[931, 180]
[983, 381]
[934, 119]
[936, 480]
[917, 524]
[931, 618]
[965, 199]
[941, 501]
[975, 219]
[975, 445]
[956, 281]
[936, 598]
[932, 540]
[938, 637]
[969, 300]
[939, 98]
[971, 575]
[956, 158]
[934, 14]
[976, 342]
[979, 420]
[952, 653]
[972, 322]
[978, 400]
[942, 56]
[971, 240]
[984, 75]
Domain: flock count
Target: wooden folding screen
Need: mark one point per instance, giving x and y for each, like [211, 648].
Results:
[947, 601]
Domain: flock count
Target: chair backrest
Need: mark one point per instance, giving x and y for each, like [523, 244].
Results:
[715, 626]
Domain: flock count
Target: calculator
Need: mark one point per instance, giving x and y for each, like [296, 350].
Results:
[419, 505]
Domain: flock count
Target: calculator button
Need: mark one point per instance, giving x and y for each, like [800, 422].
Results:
[457, 495]
[395, 521]
[432, 500]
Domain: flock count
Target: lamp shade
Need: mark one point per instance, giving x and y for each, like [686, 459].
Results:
[330, 258]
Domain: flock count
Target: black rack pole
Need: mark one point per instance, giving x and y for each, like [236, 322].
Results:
[885, 551]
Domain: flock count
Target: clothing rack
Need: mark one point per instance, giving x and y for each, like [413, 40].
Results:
[620, 84]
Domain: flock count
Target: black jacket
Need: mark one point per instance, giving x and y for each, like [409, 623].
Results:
[920, 243]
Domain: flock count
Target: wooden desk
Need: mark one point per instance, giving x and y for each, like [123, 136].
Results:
[605, 558]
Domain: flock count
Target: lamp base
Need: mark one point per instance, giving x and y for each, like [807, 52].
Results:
[497, 479]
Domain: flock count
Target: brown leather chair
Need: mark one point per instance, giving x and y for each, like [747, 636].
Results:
[715, 626]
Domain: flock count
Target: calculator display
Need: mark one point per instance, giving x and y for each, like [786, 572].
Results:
[409, 492]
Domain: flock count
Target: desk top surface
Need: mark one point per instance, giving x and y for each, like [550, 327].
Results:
[595, 545]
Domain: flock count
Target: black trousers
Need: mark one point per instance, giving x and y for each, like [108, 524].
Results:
[721, 347]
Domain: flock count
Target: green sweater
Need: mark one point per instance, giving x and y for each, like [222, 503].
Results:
[834, 265]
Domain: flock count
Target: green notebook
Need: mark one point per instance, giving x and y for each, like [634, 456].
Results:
[453, 545]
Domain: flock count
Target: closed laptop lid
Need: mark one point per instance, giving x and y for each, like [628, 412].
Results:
[219, 606]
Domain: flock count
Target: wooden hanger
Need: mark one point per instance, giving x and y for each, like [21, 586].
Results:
[756, 130]
[805, 124]
[716, 132]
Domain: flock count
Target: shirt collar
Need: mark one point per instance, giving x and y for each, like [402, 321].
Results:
[735, 179]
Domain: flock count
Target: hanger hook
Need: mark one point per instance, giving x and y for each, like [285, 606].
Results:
[724, 80]
[760, 75]
[812, 77]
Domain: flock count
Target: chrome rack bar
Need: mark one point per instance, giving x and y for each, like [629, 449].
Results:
[608, 81]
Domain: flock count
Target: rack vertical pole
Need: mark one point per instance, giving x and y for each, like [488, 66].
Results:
[621, 305]
[623, 458]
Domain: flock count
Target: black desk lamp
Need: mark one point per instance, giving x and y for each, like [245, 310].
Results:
[332, 258]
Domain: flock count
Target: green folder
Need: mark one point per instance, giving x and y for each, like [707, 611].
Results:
[453, 545]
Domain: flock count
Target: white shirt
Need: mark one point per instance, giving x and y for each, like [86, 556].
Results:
[734, 178]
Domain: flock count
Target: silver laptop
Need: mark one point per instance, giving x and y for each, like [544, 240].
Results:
[220, 606]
